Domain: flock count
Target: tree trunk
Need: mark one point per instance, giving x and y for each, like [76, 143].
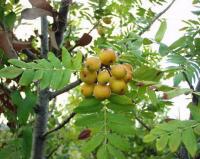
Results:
[41, 109]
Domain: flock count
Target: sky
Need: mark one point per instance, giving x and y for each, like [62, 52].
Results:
[181, 10]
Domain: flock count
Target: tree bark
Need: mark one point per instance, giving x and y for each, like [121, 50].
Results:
[41, 109]
[40, 125]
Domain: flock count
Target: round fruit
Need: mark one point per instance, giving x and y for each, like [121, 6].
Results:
[118, 86]
[107, 56]
[93, 63]
[87, 89]
[107, 20]
[88, 77]
[103, 77]
[102, 91]
[128, 67]
[128, 76]
[118, 71]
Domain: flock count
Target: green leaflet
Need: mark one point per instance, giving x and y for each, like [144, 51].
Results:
[115, 152]
[174, 141]
[66, 58]
[93, 143]
[123, 129]
[54, 60]
[190, 141]
[27, 77]
[10, 72]
[161, 31]
[102, 153]
[89, 105]
[161, 143]
[120, 99]
[90, 120]
[119, 142]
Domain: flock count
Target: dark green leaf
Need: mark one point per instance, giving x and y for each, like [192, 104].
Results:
[9, 20]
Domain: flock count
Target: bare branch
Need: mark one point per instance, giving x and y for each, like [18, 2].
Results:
[65, 89]
[61, 125]
[52, 152]
[142, 123]
[62, 21]
[156, 17]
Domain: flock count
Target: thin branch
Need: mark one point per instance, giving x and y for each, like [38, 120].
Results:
[142, 123]
[156, 17]
[30, 54]
[62, 21]
[44, 37]
[52, 152]
[65, 89]
[61, 125]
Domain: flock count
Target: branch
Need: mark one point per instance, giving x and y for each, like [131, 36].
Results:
[41, 119]
[52, 152]
[30, 54]
[156, 17]
[142, 123]
[61, 125]
[44, 37]
[65, 89]
[62, 21]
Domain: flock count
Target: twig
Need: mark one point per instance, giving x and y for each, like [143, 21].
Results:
[52, 152]
[142, 123]
[65, 89]
[67, 120]
[155, 18]
[30, 54]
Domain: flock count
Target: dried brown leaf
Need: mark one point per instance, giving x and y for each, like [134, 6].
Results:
[33, 13]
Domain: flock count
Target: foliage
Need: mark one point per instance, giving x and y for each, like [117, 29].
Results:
[128, 126]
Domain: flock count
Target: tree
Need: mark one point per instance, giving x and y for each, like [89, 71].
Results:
[133, 125]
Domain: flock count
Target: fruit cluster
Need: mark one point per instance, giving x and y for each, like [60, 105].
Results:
[101, 76]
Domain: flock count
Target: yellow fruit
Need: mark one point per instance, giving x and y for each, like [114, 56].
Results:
[103, 77]
[118, 86]
[88, 77]
[87, 89]
[128, 76]
[107, 20]
[107, 56]
[128, 67]
[93, 63]
[118, 71]
[102, 91]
